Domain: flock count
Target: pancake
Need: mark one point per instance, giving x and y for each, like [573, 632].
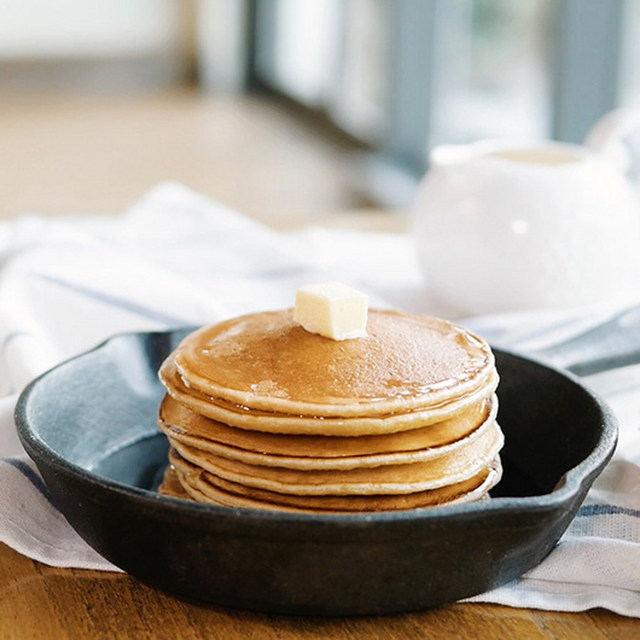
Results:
[171, 484]
[261, 413]
[391, 478]
[266, 361]
[184, 425]
[175, 485]
[244, 417]
[214, 490]
[487, 431]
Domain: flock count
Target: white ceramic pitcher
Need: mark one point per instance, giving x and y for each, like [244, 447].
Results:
[506, 225]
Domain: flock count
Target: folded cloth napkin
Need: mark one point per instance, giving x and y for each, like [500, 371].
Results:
[177, 259]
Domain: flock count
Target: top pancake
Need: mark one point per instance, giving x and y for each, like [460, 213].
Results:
[268, 362]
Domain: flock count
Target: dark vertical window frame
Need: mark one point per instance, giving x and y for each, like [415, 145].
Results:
[586, 65]
[411, 82]
[262, 66]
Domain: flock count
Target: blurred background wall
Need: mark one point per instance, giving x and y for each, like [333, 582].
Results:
[107, 45]
[384, 80]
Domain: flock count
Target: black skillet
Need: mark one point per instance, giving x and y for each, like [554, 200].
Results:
[89, 424]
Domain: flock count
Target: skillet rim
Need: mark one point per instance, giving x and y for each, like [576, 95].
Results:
[569, 485]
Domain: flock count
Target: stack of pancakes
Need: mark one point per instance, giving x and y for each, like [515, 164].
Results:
[261, 413]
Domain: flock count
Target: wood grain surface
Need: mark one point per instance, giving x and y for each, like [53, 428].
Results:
[37, 601]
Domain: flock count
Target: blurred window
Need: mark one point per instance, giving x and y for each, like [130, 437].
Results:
[36, 29]
[305, 38]
[112, 45]
[329, 55]
[630, 63]
[405, 75]
[492, 71]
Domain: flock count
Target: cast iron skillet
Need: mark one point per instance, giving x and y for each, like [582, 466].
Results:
[89, 424]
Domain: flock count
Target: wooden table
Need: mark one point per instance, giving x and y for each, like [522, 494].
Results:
[37, 601]
[96, 156]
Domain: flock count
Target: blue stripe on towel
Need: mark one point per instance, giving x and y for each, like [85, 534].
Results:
[32, 476]
[122, 303]
[607, 510]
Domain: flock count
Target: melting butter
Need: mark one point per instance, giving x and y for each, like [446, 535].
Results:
[333, 310]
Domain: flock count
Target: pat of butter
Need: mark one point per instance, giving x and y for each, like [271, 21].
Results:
[333, 310]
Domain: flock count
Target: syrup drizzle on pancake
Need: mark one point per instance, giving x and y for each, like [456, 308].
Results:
[263, 414]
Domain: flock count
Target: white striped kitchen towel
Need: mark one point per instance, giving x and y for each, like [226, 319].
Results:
[177, 259]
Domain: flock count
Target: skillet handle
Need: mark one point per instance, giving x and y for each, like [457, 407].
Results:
[612, 344]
